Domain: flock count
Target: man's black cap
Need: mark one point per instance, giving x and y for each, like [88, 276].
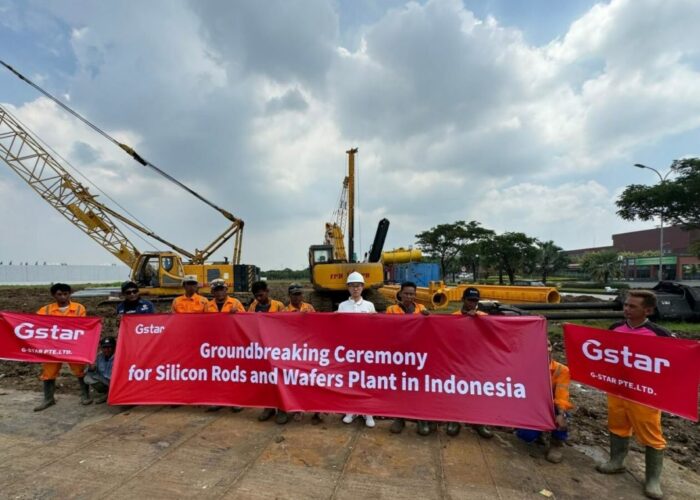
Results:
[108, 342]
[129, 285]
[471, 293]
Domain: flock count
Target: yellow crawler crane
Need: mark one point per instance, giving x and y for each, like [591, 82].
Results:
[330, 263]
[158, 272]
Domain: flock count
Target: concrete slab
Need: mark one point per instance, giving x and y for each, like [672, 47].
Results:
[71, 451]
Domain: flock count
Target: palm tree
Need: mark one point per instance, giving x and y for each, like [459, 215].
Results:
[551, 259]
[601, 266]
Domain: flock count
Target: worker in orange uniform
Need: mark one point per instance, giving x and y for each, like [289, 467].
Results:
[626, 418]
[470, 307]
[296, 300]
[297, 304]
[191, 301]
[560, 377]
[407, 305]
[62, 306]
[263, 303]
[222, 302]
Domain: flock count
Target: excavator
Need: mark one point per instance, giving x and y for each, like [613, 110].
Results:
[330, 263]
[159, 273]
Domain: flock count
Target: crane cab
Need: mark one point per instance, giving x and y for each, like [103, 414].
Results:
[159, 270]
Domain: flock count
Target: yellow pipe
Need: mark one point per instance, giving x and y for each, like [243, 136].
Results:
[432, 298]
[401, 255]
[509, 294]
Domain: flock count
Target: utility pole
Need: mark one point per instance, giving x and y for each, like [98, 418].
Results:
[662, 179]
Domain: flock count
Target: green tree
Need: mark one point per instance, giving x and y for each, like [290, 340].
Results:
[676, 200]
[473, 250]
[601, 266]
[443, 242]
[550, 259]
[509, 252]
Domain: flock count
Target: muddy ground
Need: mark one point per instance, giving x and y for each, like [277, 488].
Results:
[588, 418]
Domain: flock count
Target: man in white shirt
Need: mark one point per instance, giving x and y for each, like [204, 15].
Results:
[356, 304]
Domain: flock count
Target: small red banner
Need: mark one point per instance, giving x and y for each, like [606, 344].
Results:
[36, 338]
[487, 370]
[660, 372]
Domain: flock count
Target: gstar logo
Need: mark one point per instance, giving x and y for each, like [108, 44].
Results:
[152, 329]
[591, 349]
[27, 331]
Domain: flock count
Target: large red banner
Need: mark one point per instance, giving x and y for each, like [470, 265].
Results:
[37, 338]
[487, 370]
[660, 372]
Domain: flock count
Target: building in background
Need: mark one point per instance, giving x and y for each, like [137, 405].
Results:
[678, 261]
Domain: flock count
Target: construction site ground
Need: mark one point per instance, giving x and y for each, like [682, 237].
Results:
[71, 450]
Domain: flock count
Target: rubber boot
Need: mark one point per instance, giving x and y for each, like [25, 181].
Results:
[102, 398]
[483, 431]
[397, 426]
[554, 450]
[266, 414]
[619, 446]
[654, 463]
[453, 428]
[282, 417]
[84, 392]
[423, 427]
[49, 388]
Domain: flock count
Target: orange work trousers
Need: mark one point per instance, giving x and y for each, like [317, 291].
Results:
[49, 371]
[626, 418]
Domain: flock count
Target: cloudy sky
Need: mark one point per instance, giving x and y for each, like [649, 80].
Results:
[525, 116]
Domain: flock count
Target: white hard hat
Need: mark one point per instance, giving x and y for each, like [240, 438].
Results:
[355, 277]
[190, 278]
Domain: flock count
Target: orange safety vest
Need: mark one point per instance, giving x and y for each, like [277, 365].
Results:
[230, 304]
[560, 385]
[304, 307]
[396, 309]
[185, 304]
[74, 309]
[275, 306]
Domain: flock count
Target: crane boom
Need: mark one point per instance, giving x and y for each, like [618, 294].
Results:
[25, 155]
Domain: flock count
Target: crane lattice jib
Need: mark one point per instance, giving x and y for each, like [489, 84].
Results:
[25, 155]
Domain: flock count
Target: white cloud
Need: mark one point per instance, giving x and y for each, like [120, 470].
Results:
[254, 103]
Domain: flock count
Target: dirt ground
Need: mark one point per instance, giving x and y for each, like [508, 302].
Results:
[588, 418]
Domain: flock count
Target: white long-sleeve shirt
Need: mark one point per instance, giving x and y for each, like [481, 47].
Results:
[361, 306]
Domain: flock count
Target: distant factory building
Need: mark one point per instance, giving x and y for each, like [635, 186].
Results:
[678, 262]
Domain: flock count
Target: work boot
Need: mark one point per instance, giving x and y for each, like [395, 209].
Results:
[483, 431]
[49, 388]
[654, 463]
[423, 427]
[102, 398]
[619, 446]
[84, 392]
[554, 450]
[236, 409]
[397, 426]
[316, 419]
[453, 428]
[282, 417]
[266, 414]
